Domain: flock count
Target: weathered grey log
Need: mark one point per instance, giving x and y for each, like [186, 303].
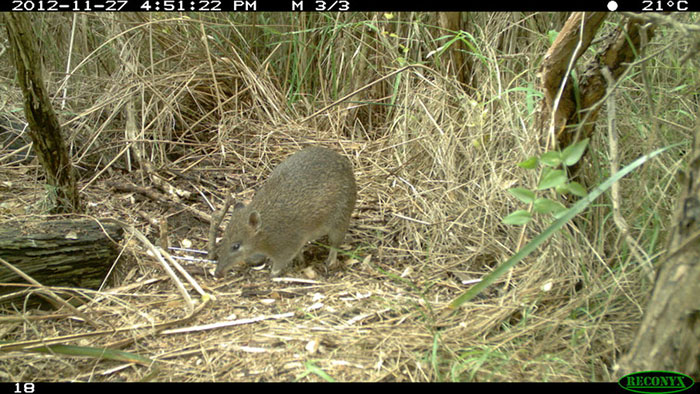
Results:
[72, 253]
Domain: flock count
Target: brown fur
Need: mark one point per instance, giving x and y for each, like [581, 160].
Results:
[310, 194]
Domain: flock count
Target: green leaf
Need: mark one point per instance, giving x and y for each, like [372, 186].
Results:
[311, 367]
[551, 159]
[559, 214]
[529, 164]
[545, 205]
[554, 227]
[553, 178]
[576, 189]
[572, 153]
[522, 194]
[518, 218]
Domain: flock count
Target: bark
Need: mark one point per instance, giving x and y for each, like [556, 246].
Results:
[73, 253]
[44, 128]
[461, 65]
[669, 336]
[571, 42]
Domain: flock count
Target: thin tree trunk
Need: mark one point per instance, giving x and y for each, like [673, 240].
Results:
[669, 336]
[44, 128]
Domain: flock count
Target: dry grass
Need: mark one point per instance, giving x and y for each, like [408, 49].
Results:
[432, 163]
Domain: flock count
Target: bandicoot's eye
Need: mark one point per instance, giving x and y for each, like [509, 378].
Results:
[235, 247]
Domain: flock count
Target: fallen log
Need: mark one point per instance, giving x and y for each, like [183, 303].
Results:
[67, 253]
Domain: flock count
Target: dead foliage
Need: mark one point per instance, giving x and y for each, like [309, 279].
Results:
[432, 163]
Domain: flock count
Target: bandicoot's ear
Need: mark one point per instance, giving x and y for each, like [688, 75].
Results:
[254, 221]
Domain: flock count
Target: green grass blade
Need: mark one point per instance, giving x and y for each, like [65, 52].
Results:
[559, 223]
[94, 352]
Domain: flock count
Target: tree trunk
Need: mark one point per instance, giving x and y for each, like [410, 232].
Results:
[460, 65]
[572, 41]
[574, 116]
[669, 336]
[44, 128]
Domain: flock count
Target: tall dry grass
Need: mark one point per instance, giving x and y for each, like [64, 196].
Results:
[231, 94]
